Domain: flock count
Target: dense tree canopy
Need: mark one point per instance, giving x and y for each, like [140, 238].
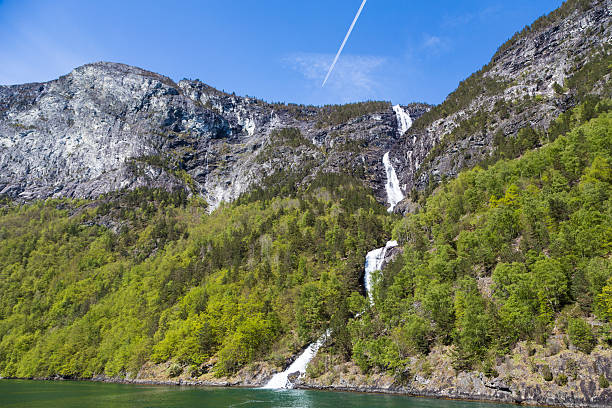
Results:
[175, 282]
[496, 256]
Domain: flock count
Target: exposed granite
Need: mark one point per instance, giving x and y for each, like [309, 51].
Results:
[528, 70]
[519, 379]
[106, 127]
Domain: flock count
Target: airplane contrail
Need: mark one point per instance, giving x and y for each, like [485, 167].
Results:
[331, 68]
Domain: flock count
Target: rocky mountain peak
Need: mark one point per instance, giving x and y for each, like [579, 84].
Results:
[107, 126]
[542, 71]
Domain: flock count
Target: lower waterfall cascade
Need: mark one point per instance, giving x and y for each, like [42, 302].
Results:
[281, 380]
[374, 262]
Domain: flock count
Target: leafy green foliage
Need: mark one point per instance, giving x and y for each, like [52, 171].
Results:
[281, 140]
[586, 75]
[547, 373]
[581, 335]
[561, 380]
[291, 137]
[330, 115]
[475, 85]
[496, 254]
[175, 283]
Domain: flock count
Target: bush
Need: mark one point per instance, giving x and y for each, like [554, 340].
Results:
[581, 335]
[174, 370]
[546, 373]
[195, 371]
[603, 381]
[572, 369]
[561, 380]
[416, 334]
[605, 334]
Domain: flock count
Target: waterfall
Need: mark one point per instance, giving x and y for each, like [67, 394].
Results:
[281, 380]
[373, 263]
[404, 121]
[394, 193]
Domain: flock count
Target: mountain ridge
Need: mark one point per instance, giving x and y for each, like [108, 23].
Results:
[195, 129]
[516, 89]
[210, 140]
[497, 281]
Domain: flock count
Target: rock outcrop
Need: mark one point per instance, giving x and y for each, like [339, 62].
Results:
[518, 378]
[107, 127]
[534, 77]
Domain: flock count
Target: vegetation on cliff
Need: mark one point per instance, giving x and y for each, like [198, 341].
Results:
[516, 249]
[496, 256]
[502, 255]
[262, 276]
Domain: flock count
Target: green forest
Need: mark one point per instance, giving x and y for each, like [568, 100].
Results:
[256, 279]
[503, 253]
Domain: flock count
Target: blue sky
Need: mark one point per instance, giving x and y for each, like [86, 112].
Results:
[277, 50]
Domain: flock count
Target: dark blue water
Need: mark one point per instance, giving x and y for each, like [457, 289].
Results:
[73, 394]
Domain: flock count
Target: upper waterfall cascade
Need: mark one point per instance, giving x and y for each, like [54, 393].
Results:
[394, 193]
[404, 120]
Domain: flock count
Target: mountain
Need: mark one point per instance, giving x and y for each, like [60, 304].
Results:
[542, 71]
[106, 127]
[461, 250]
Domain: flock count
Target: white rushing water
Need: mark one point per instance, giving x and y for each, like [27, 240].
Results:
[394, 193]
[281, 380]
[373, 263]
[404, 121]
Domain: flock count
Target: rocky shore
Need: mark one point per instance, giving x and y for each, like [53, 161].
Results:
[554, 375]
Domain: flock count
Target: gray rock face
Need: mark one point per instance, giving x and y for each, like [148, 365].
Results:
[515, 382]
[521, 92]
[106, 127]
[76, 136]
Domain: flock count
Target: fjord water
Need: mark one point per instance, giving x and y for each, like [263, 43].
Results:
[73, 394]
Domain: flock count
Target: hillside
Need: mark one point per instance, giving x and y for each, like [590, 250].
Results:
[542, 71]
[506, 272]
[153, 231]
[109, 127]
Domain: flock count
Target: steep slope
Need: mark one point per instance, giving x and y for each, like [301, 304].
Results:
[505, 277]
[541, 72]
[214, 291]
[499, 287]
[106, 127]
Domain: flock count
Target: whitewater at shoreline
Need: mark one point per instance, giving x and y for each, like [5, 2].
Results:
[445, 383]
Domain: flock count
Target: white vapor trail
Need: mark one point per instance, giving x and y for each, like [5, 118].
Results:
[331, 68]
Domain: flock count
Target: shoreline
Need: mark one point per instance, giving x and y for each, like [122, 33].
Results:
[399, 391]
[518, 378]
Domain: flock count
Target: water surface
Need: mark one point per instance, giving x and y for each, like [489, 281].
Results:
[73, 394]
